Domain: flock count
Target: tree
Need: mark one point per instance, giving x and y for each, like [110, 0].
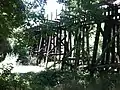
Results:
[28, 37]
[11, 17]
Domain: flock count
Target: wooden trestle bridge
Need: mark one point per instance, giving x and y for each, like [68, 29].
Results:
[72, 48]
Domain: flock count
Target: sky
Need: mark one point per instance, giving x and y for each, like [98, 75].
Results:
[52, 6]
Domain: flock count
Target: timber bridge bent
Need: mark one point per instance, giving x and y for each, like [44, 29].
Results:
[72, 47]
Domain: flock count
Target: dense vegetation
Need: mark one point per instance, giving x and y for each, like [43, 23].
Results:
[25, 27]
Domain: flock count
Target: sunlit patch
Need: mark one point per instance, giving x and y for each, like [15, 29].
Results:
[53, 8]
[117, 2]
[25, 69]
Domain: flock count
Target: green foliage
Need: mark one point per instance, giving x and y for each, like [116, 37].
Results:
[58, 79]
[28, 33]
[11, 17]
[4, 48]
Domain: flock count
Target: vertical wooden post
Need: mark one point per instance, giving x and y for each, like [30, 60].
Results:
[95, 48]
[107, 55]
[87, 41]
[83, 42]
